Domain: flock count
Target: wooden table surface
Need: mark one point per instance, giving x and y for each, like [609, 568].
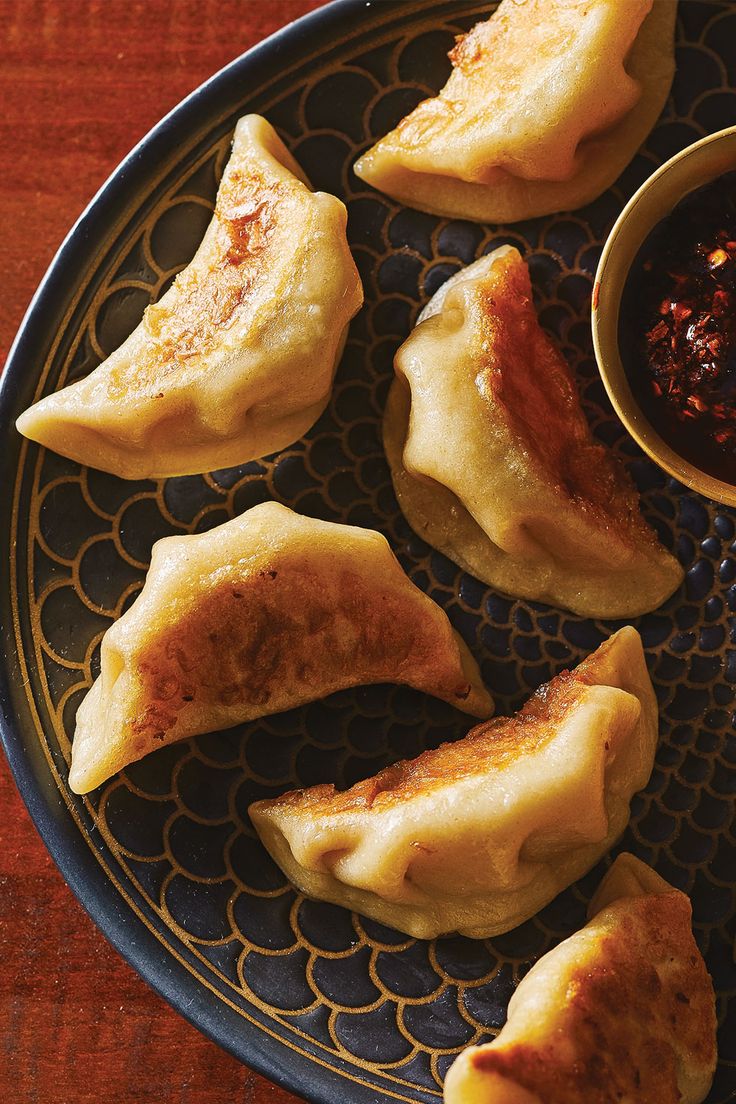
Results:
[80, 82]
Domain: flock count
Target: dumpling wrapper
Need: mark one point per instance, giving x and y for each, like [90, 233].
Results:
[236, 360]
[262, 614]
[547, 103]
[622, 1010]
[493, 462]
[476, 836]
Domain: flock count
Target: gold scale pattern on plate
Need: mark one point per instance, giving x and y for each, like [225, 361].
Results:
[174, 829]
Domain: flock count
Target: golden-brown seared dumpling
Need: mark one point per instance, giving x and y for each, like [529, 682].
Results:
[547, 102]
[621, 1011]
[478, 835]
[493, 462]
[262, 614]
[237, 358]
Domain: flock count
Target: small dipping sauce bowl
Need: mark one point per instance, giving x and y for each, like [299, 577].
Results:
[656, 320]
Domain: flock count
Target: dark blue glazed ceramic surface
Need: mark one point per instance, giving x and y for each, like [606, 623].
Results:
[332, 1005]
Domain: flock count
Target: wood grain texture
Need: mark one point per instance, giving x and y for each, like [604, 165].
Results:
[80, 82]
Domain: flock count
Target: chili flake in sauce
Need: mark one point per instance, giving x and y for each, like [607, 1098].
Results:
[677, 329]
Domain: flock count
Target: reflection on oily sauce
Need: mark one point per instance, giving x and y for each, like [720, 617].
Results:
[677, 328]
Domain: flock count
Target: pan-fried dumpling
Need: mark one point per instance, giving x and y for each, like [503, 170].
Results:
[236, 360]
[547, 102]
[262, 614]
[621, 1011]
[478, 835]
[494, 464]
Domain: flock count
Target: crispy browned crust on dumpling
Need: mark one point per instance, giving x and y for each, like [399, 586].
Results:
[236, 359]
[521, 369]
[247, 212]
[491, 746]
[547, 102]
[241, 643]
[621, 1011]
[264, 613]
[478, 835]
[604, 1000]
[493, 461]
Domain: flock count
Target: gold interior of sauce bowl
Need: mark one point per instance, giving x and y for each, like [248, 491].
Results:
[693, 167]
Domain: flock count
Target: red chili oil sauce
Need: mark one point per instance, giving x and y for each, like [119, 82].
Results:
[677, 328]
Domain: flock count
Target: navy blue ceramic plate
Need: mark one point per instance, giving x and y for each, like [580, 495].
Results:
[333, 1006]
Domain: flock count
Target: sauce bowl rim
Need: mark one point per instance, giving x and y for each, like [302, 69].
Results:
[610, 280]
